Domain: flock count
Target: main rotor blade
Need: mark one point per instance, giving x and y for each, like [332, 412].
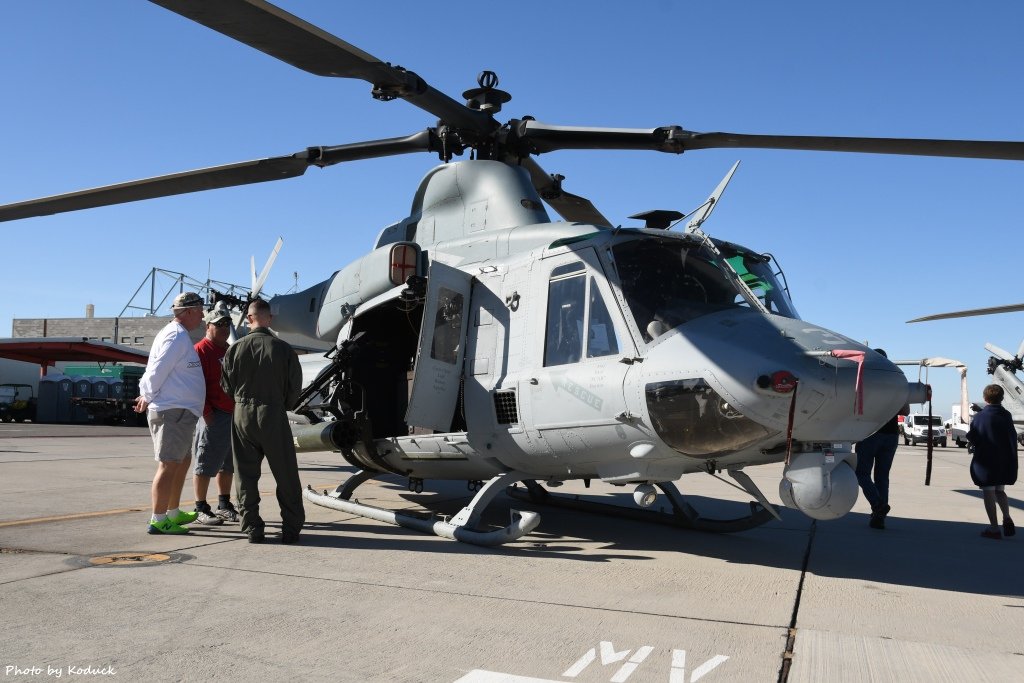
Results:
[972, 312]
[230, 175]
[541, 137]
[273, 31]
[243, 173]
[968, 149]
[572, 208]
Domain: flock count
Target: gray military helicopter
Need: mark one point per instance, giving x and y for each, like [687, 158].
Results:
[481, 341]
[1002, 365]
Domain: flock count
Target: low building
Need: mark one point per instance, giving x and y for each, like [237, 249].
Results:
[137, 332]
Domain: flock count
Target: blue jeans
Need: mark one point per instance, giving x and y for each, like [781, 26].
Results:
[876, 451]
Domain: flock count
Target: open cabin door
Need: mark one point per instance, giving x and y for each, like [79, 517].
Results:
[438, 369]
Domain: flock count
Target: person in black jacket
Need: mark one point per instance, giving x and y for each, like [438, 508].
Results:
[994, 465]
[876, 452]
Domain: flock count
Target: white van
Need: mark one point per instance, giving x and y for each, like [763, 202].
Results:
[915, 430]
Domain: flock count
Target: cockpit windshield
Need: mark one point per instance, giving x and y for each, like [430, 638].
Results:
[760, 273]
[668, 282]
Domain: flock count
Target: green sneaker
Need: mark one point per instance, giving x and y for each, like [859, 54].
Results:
[183, 518]
[166, 526]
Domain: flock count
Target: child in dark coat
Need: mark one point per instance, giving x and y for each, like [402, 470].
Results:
[994, 465]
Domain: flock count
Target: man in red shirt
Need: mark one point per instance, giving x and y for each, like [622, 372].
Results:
[212, 444]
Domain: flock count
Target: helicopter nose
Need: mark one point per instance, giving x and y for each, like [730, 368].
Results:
[731, 380]
[848, 390]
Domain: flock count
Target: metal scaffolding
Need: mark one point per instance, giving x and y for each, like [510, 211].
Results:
[171, 283]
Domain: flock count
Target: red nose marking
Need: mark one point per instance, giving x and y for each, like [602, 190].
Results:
[783, 382]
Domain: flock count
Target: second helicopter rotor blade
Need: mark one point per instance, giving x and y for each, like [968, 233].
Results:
[423, 141]
[215, 177]
[541, 137]
[243, 173]
[284, 36]
[967, 149]
[999, 352]
[970, 313]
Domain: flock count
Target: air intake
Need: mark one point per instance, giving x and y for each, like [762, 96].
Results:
[505, 407]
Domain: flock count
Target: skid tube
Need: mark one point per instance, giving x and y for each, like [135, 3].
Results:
[683, 514]
[462, 527]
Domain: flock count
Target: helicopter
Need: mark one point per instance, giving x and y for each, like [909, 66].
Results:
[480, 340]
[1002, 365]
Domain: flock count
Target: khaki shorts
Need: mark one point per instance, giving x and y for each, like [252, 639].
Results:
[172, 432]
[212, 445]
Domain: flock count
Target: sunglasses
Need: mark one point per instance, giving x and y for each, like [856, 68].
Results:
[222, 323]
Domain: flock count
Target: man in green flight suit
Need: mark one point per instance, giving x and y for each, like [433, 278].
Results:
[263, 375]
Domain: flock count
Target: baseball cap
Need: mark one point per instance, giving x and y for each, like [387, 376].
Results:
[187, 300]
[216, 315]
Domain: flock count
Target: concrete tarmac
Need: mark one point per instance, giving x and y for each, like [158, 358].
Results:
[583, 598]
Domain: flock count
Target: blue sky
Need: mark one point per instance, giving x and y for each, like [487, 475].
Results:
[98, 93]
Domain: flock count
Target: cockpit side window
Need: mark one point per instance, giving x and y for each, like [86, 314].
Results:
[601, 340]
[563, 342]
[578, 322]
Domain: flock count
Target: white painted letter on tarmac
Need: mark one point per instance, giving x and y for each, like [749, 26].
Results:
[610, 656]
[629, 667]
[678, 671]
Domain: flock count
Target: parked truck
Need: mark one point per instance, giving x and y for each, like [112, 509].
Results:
[957, 426]
[914, 429]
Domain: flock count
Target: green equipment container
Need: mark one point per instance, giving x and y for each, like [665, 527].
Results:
[114, 371]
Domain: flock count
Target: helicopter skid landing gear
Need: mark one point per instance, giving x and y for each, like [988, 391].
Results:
[683, 514]
[464, 526]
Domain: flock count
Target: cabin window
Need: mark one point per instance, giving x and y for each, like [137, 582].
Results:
[447, 327]
[576, 267]
[576, 330]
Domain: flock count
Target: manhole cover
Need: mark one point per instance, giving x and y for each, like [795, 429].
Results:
[129, 558]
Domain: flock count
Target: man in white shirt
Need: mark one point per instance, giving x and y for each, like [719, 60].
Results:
[173, 391]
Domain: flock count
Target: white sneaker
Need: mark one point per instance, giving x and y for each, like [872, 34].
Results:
[228, 514]
[207, 519]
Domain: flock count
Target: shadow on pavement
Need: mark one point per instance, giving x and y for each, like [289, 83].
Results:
[976, 493]
[938, 554]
